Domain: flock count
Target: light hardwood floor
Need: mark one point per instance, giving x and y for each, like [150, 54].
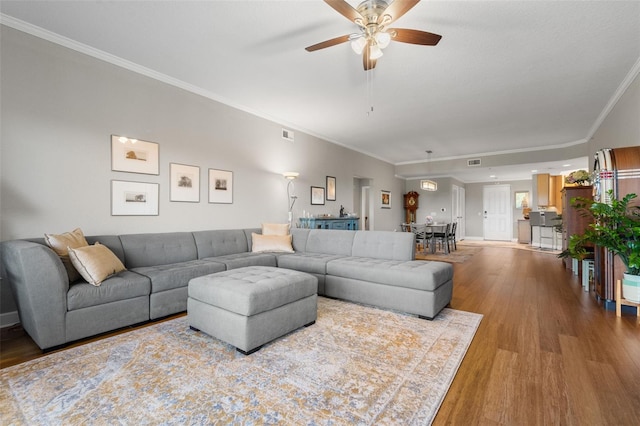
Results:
[545, 352]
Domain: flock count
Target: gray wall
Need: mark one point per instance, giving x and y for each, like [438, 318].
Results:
[433, 203]
[59, 108]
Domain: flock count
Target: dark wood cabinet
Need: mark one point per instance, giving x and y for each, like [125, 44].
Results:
[573, 221]
[625, 165]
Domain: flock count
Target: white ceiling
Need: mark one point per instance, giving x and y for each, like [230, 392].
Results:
[506, 76]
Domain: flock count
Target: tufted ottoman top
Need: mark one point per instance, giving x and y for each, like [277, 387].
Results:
[253, 289]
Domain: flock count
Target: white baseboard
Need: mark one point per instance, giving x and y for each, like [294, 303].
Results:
[466, 237]
[8, 319]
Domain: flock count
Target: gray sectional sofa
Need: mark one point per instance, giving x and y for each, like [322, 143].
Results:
[371, 267]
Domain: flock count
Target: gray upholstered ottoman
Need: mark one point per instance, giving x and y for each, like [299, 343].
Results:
[248, 307]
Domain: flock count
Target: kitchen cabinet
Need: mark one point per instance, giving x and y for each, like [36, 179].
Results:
[542, 190]
[524, 231]
[547, 191]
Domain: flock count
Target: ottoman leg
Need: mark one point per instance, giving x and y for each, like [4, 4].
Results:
[249, 352]
[425, 318]
[193, 328]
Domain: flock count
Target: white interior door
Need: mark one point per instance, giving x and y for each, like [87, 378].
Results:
[497, 212]
[462, 223]
[457, 210]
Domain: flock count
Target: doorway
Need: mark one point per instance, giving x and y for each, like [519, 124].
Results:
[362, 199]
[366, 219]
[458, 194]
[496, 204]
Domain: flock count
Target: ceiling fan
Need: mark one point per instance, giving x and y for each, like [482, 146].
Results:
[373, 17]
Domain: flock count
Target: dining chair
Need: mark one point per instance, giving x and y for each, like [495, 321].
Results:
[451, 239]
[442, 238]
[420, 232]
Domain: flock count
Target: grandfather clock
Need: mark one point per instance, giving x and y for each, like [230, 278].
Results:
[410, 205]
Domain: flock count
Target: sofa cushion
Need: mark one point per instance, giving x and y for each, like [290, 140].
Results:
[299, 237]
[122, 286]
[330, 241]
[416, 274]
[175, 275]
[95, 263]
[240, 260]
[158, 249]
[220, 242]
[313, 263]
[384, 245]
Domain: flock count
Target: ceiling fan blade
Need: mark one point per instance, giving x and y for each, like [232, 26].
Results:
[396, 9]
[414, 36]
[327, 43]
[345, 9]
[367, 62]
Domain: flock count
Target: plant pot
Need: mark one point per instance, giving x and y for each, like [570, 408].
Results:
[631, 288]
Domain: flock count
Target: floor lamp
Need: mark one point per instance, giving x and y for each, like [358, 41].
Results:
[291, 197]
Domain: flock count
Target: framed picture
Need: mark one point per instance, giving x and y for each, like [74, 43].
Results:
[317, 195]
[134, 156]
[184, 183]
[134, 198]
[522, 199]
[331, 188]
[385, 199]
[220, 186]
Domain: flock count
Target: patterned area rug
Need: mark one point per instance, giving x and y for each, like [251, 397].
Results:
[356, 365]
[461, 255]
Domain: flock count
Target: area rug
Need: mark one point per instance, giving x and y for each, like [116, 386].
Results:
[356, 365]
[461, 255]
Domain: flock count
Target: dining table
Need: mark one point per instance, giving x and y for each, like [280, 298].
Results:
[436, 228]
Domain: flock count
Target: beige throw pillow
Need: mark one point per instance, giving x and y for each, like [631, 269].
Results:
[95, 263]
[271, 243]
[275, 229]
[59, 244]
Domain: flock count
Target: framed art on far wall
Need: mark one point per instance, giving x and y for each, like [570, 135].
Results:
[385, 199]
[184, 183]
[134, 156]
[220, 186]
[134, 198]
[317, 195]
[331, 188]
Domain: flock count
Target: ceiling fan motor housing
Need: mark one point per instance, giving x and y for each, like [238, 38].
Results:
[370, 11]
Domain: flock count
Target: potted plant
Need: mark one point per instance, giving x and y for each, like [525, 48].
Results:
[615, 226]
[579, 178]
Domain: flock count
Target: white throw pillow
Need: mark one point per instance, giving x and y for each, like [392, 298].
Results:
[275, 229]
[95, 263]
[271, 243]
[60, 243]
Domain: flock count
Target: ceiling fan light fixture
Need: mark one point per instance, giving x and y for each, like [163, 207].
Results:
[375, 52]
[358, 45]
[383, 39]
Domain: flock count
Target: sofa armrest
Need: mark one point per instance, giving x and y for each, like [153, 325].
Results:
[39, 283]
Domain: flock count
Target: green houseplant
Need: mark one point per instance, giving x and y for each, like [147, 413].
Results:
[615, 226]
